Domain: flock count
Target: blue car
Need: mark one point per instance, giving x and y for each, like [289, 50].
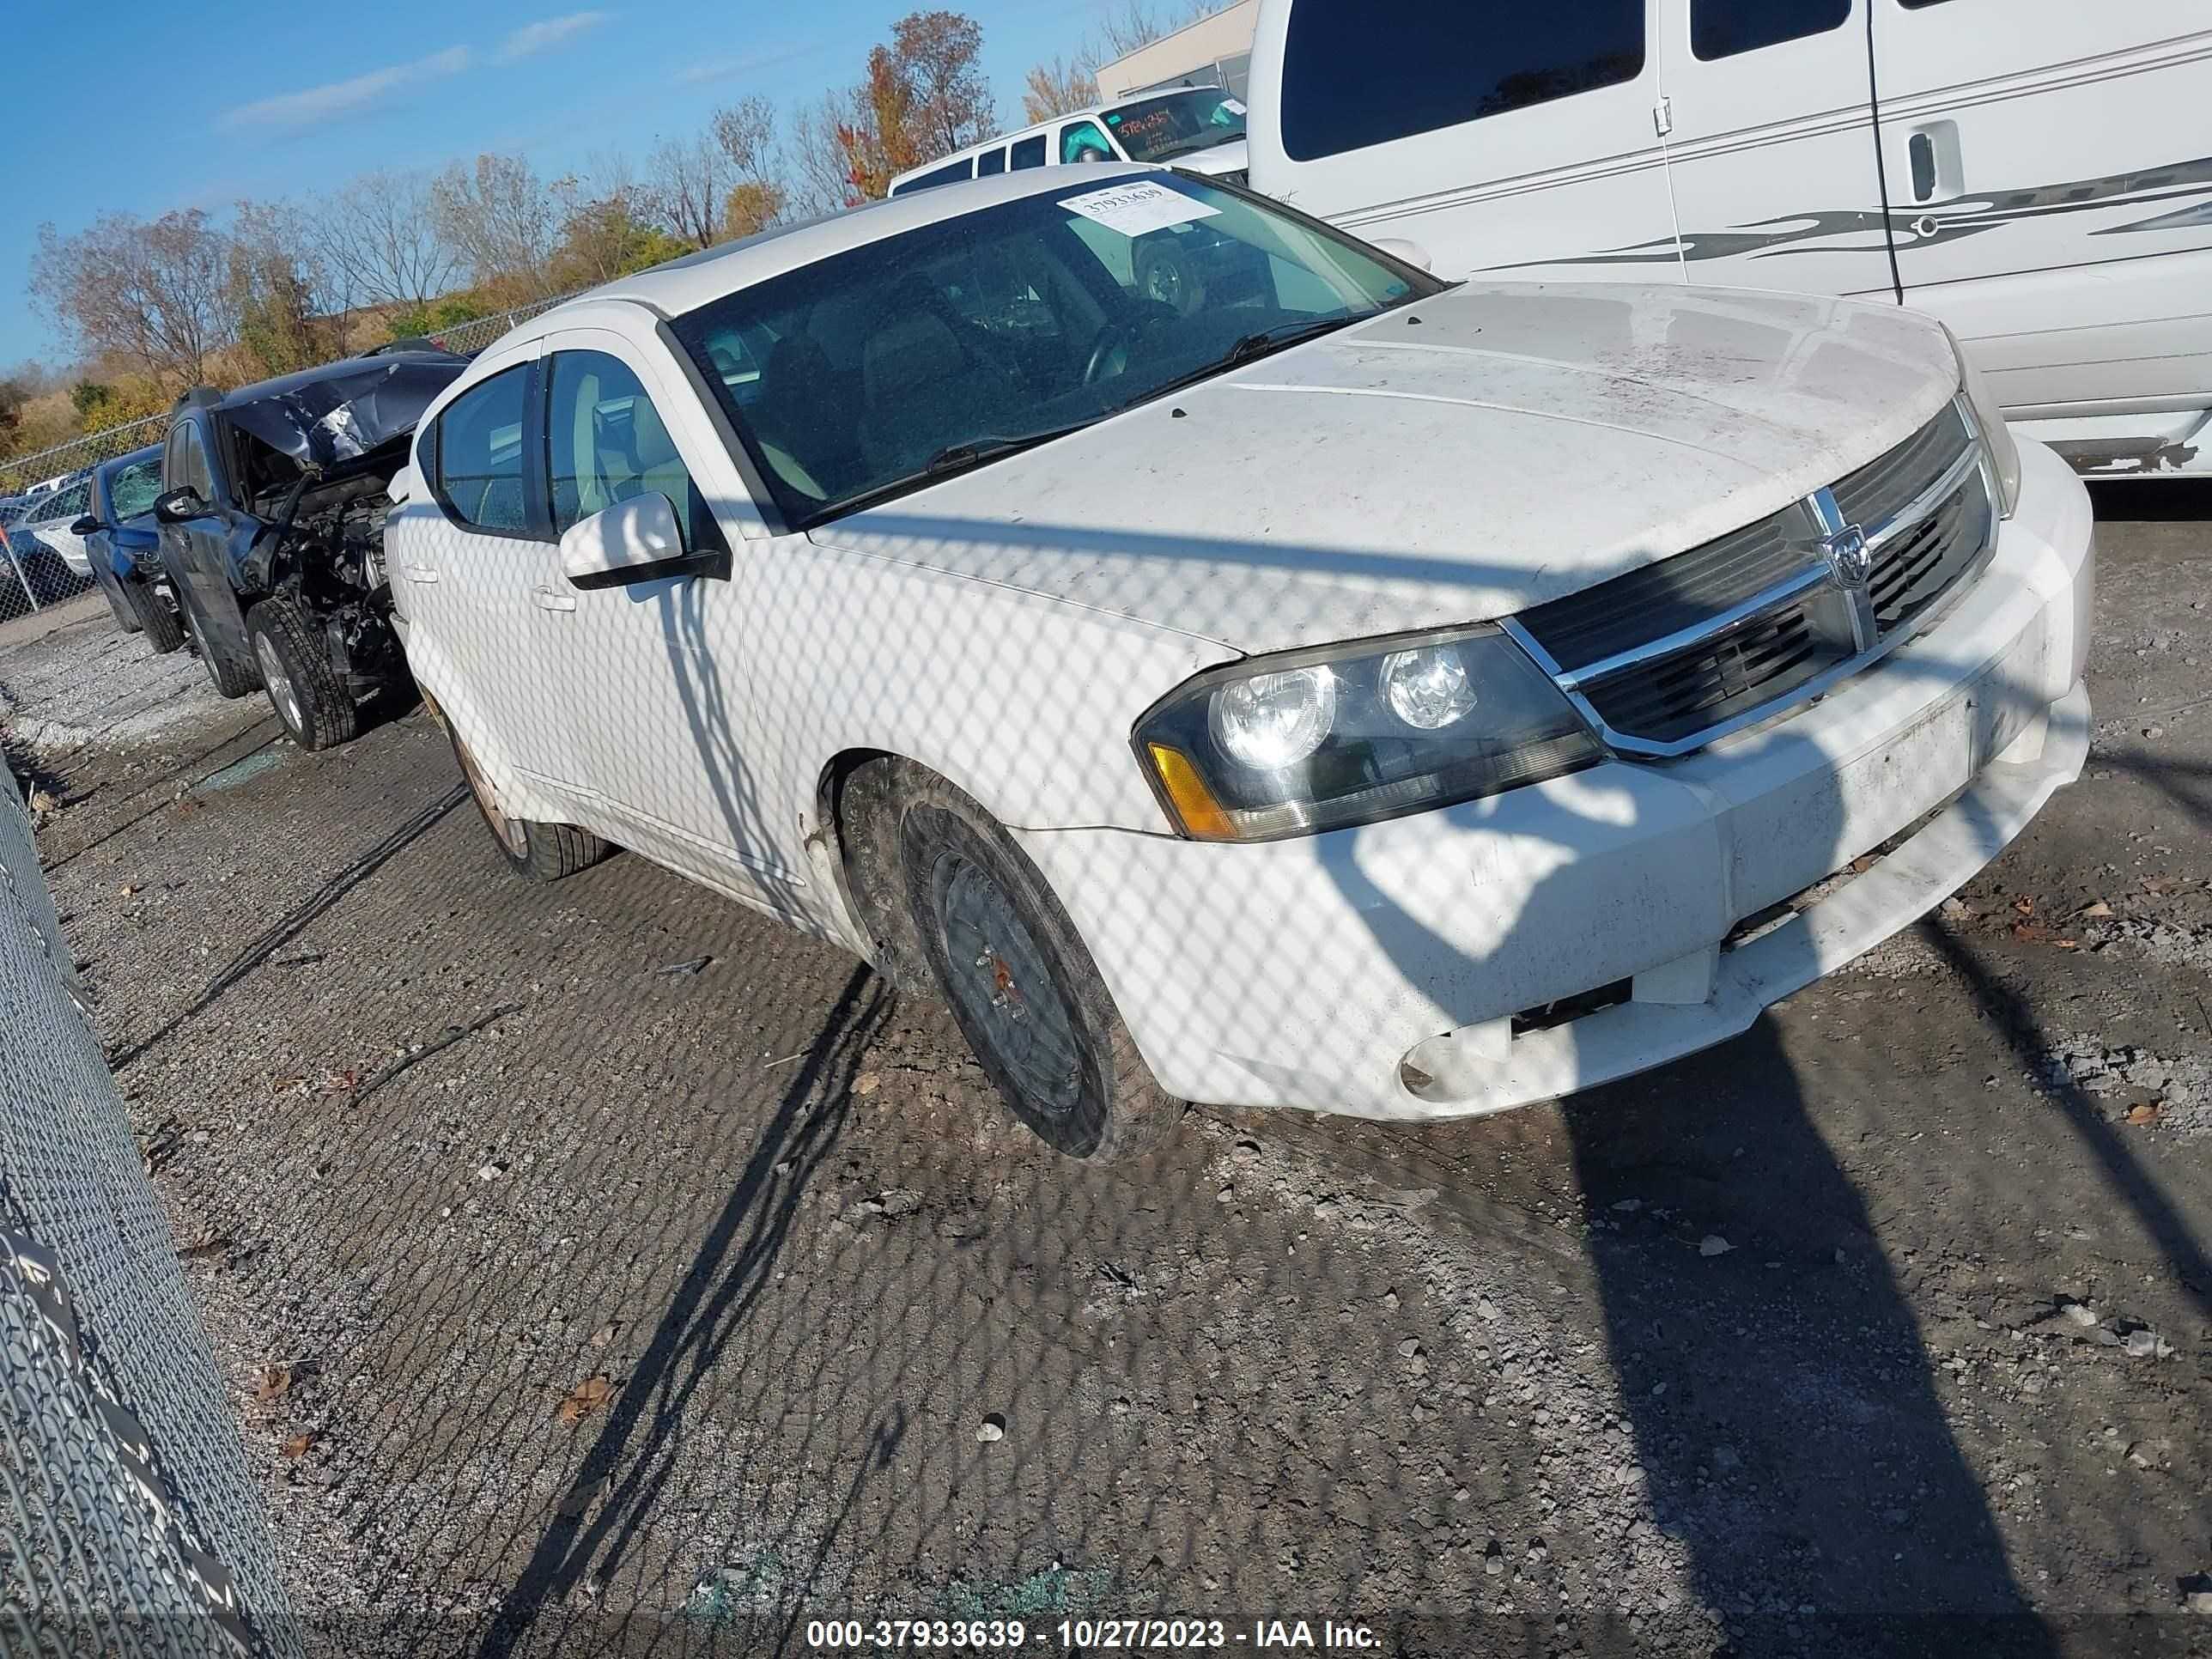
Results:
[124, 547]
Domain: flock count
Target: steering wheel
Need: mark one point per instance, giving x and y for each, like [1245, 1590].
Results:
[1124, 331]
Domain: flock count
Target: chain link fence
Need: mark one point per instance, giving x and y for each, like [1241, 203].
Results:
[41, 557]
[132, 1525]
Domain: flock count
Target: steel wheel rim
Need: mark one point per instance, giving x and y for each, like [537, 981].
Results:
[279, 684]
[1001, 981]
[509, 830]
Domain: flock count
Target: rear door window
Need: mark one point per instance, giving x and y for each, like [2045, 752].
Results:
[1360, 74]
[1028, 152]
[989, 162]
[480, 455]
[1721, 29]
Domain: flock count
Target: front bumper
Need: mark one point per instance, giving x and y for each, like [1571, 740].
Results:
[1312, 973]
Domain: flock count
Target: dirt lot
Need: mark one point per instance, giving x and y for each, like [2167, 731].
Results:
[641, 1275]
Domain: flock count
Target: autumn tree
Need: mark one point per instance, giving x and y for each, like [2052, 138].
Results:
[924, 94]
[275, 290]
[152, 293]
[1057, 88]
[1138, 23]
[745, 134]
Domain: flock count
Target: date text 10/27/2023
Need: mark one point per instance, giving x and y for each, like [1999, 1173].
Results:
[1184, 1635]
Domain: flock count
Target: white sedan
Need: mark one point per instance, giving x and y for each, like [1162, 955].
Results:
[1350, 692]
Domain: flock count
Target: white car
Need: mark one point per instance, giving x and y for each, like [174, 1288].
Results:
[1357, 694]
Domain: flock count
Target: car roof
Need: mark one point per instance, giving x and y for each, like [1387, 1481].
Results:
[685, 285]
[1093, 111]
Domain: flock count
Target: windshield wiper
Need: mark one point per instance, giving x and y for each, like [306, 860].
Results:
[1245, 349]
[948, 462]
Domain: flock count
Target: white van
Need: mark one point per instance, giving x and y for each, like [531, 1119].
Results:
[1200, 128]
[2038, 173]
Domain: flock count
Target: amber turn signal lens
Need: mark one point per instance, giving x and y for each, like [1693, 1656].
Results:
[1201, 814]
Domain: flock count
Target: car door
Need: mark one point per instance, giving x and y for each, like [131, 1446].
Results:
[196, 550]
[1517, 138]
[2049, 162]
[1769, 111]
[661, 709]
[483, 583]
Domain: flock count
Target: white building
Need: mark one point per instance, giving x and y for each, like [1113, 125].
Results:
[1212, 52]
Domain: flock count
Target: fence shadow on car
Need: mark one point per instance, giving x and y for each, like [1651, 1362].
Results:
[697, 1288]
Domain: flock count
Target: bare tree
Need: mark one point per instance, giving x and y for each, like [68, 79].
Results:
[688, 181]
[279, 308]
[378, 241]
[818, 173]
[502, 221]
[154, 295]
[1138, 23]
[1056, 89]
[745, 133]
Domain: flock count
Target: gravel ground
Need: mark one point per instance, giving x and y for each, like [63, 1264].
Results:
[603, 1267]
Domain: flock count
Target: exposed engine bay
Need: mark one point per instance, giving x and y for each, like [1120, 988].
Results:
[322, 546]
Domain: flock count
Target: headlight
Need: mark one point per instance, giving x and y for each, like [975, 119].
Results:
[2004, 452]
[1347, 734]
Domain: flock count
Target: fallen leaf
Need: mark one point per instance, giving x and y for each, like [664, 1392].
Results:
[2030, 932]
[2147, 1114]
[285, 1086]
[2096, 912]
[2155, 885]
[296, 1445]
[42, 802]
[605, 1334]
[339, 1083]
[2025, 906]
[588, 1397]
[129, 888]
[867, 1084]
[272, 1383]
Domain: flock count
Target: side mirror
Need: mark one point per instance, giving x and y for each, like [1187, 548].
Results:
[180, 504]
[1411, 253]
[634, 541]
[85, 526]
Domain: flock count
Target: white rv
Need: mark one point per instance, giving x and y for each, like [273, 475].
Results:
[1199, 129]
[2038, 173]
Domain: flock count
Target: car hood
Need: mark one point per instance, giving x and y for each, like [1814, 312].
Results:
[341, 417]
[1455, 461]
[1232, 156]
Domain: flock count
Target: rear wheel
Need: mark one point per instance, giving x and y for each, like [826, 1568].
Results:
[1021, 982]
[163, 628]
[543, 851]
[315, 707]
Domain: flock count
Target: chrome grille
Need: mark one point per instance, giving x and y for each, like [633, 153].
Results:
[1669, 657]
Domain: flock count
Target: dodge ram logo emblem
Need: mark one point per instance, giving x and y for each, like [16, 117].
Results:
[1848, 556]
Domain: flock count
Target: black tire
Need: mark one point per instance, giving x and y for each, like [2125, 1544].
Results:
[163, 628]
[542, 852]
[304, 690]
[964, 879]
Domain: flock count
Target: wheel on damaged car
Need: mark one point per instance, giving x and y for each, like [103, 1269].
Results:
[1023, 988]
[315, 705]
[163, 628]
[543, 851]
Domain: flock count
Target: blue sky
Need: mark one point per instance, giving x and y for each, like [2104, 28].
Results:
[153, 107]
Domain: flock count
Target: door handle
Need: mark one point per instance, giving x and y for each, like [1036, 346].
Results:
[1920, 151]
[1932, 154]
[550, 598]
[419, 573]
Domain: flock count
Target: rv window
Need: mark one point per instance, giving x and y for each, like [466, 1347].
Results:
[1360, 74]
[1028, 152]
[1721, 29]
[1081, 140]
[990, 162]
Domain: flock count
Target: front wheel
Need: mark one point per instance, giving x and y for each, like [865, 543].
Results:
[1021, 982]
[316, 708]
[541, 852]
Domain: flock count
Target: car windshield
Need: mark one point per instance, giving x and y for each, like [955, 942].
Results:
[897, 363]
[1177, 122]
[133, 487]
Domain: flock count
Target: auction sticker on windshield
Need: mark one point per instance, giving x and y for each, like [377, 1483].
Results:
[1136, 208]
